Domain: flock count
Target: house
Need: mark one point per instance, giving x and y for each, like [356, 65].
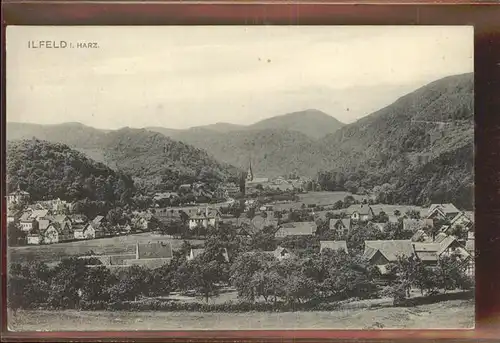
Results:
[227, 190]
[427, 252]
[95, 228]
[165, 196]
[442, 211]
[50, 235]
[333, 245]
[296, 229]
[431, 252]
[142, 223]
[185, 188]
[361, 212]
[341, 226]
[86, 232]
[281, 253]
[64, 224]
[378, 226]
[27, 222]
[34, 238]
[463, 220]
[193, 253]
[210, 217]
[420, 236]
[469, 246]
[383, 252]
[78, 219]
[151, 255]
[153, 250]
[414, 225]
[78, 231]
[18, 196]
[261, 221]
[393, 219]
[56, 206]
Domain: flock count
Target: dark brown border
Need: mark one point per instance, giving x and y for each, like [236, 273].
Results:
[484, 17]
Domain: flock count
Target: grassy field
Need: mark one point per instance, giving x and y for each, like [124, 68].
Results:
[317, 198]
[443, 315]
[107, 246]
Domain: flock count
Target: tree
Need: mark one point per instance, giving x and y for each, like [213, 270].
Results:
[199, 276]
[67, 283]
[28, 284]
[131, 284]
[96, 283]
[15, 236]
[243, 275]
[397, 213]
[413, 214]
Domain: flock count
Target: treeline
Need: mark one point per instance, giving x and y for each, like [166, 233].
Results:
[263, 282]
[445, 179]
[52, 170]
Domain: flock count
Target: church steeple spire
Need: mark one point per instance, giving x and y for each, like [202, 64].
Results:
[249, 172]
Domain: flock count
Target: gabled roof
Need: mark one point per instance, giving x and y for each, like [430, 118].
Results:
[26, 216]
[78, 218]
[39, 214]
[166, 195]
[60, 218]
[419, 235]
[391, 250]
[279, 251]
[333, 245]
[379, 226]
[259, 222]
[440, 237]
[445, 243]
[416, 224]
[444, 208]
[298, 228]
[154, 250]
[361, 209]
[460, 215]
[345, 223]
[393, 219]
[427, 251]
[469, 245]
[470, 215]
[197, 252]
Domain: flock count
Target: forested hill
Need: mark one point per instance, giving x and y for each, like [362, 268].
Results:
[418, 150]
[158, 162]
[154, 161]
[53, 170]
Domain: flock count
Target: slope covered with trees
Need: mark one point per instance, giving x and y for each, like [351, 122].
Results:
[158, 162]
[53, 170]
[417, 150]
[154, 161]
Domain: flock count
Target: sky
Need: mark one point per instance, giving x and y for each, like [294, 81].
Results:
[185, 76]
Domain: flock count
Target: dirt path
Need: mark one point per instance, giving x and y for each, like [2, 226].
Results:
[444, 315]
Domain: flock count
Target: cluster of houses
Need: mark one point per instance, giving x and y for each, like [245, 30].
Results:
[51, 221]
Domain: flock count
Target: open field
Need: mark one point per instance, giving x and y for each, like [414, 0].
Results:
[317, 198]
[443, 315]
[107, 246]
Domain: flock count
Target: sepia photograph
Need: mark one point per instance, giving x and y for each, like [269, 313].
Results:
[240, 178]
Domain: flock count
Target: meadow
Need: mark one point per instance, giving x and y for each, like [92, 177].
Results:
[104, 246]
[443, 315]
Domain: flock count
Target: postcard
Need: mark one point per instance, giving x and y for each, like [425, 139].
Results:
[240, 177]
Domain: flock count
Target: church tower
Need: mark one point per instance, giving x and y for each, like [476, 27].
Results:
[249, 172]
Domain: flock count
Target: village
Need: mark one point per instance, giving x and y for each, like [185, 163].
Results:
[425, 233]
